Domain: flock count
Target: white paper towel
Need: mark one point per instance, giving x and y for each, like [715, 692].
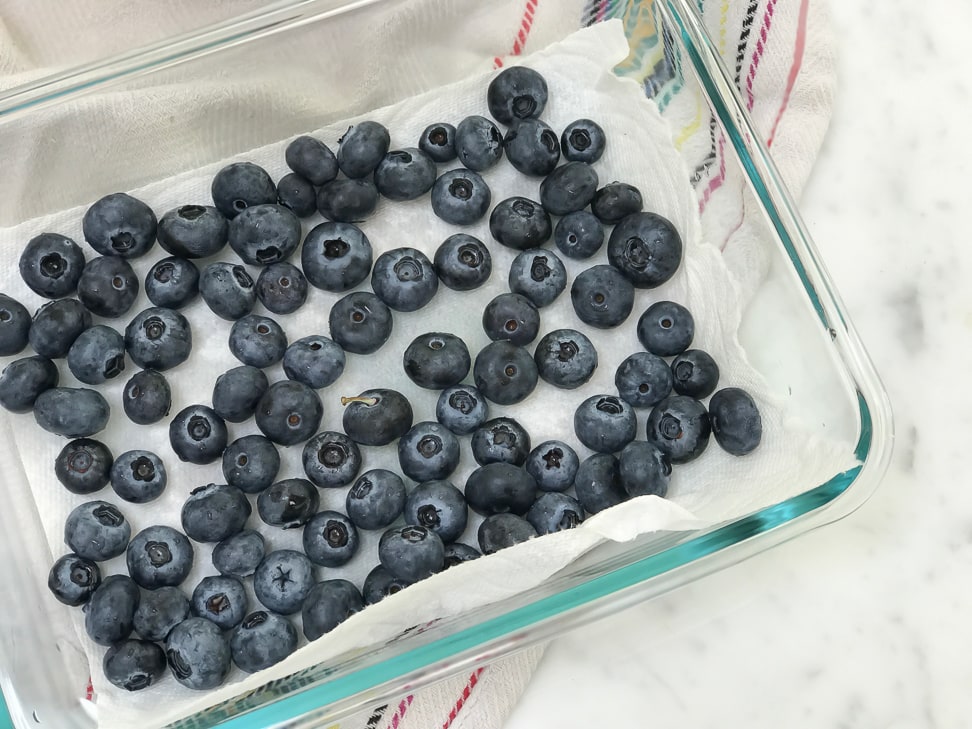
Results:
[713, 488]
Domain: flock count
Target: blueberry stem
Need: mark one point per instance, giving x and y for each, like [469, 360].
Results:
[359, 398]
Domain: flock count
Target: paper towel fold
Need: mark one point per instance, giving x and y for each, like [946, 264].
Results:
[713, 488]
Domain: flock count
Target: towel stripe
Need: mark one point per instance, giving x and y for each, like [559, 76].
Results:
[400, 713]
[743, 44]
[798, 49]
[526, 22]
[758, 54]
[376, 716]
[463, 697]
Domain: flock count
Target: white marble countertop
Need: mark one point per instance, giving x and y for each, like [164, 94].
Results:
[866, 622]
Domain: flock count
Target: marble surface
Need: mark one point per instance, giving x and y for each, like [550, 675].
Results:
[863, 623]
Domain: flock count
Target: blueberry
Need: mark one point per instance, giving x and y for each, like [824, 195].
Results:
[505, 373]
[516, 93]
[568, 188]
[666, 328]
[362, 148]
[297, 194]
[643, 380]
[220, 599]
[197, 434]
[479, 144]
[461, 408]
[428, 451]
[53, 329]
[598, 483]
[330, 539]
[605, 423]
[347, 201]
[438, 506]
[158, 339]
[331, 460]
[436, 360]
[159, 611]
[616, 201]
[462, 262]
[329, 604]
[500, 487]
[23, 380]
[237, 393]
[555, 512]
[460, 197]
[147, 397]
[579, 234]
[159, 556]
[108, 286]
[539, 275]
[262, 640]
[289, 413]
[646, 248]
[138, 476]
[511, 317]
[120, 225]
[360, 322]
[73, 579]
[264, 234]
[215, 512]
[316, 361]
[375, 499]
[500, 531]
[109, 614]
[376, 417]
[239, 555]
[228, 290]
[404, 278]
[457, 553]
[336, 256]
[565, 358]
[553, 465]
[193, 231]
[438, 141]
[281, 288]
[283, 580]
[289, 503]
[172, 282]
[519, 223]
[411, 553]
[602, 297]
[198, 654]
[379, 584]
[241, 185]
[736, 422]
[583, 141]
[51, 265]
[134, 665]
[257, 341]
[311, 159]
[83, 466]
[405, 174]
[250, 463]
[501, 440]
[695, 373]
[15, 325]
[679, 427]
[531, 147]
[644, 470]
[71, 411]
[97, 355]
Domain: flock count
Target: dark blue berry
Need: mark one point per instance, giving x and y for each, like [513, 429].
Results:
[23, 380]
[159, 611]
[516, 93]
[736, 422]
[616, 201]
[644, 470]
[479, 144]
[197, 434]
[83, 466]
[261, 640]
[579, 235]
[289, 412]
[220, 599]
[198, 654]
[360, 322]
[283, 580]
[336, 256]
[228, 290]
[362, 148]
[110, 612]
[438, 141]
[505, 373]
[257, 341]
[347, 201]
[436, 360]
[555, 512]
[462, 262]
[553, 465]
[565, 358]
[500, 531]
[250, 463]
[239, 555]
[51, 265]
[54, 327]
[327, 605]
[501, 440]
[237, 393]
[695, 373]
[646, 248]
[457, 553]
[602, 297]
[438, 506]
[74, 412]
[598, 483]
[158, 339]
[605, 423]
[297, 194]
[15, 325]
[405, 174]
[281, 288]
[316, 361]
[375, 499]
[330, 539]
[134, 665]
[159, 556]
[539, 275]
[120, 225]
[461, 408]
[289, 503]
[379, 584]
[500, 487]
[531, 147]
[172, 282]
[108, 286]
[411, 553]
[643, 380]
[679, 427]
[511, 317]
[311, 159]
[331, 459]
[73, 579]
[460, 197]
[97, 530]
[428, 451]
[241, 185]
[97, 355]
[215, 512]
[193, 231]
[666, 328]
[264, 234]
[376, 417]
[583, 141]
[147, 397]
[138, 476]
[519, 223]
[404, 278]
[568, 188]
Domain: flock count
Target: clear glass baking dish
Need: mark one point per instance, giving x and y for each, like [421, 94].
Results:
[815, 356]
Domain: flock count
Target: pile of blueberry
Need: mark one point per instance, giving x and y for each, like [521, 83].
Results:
[519, 488]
